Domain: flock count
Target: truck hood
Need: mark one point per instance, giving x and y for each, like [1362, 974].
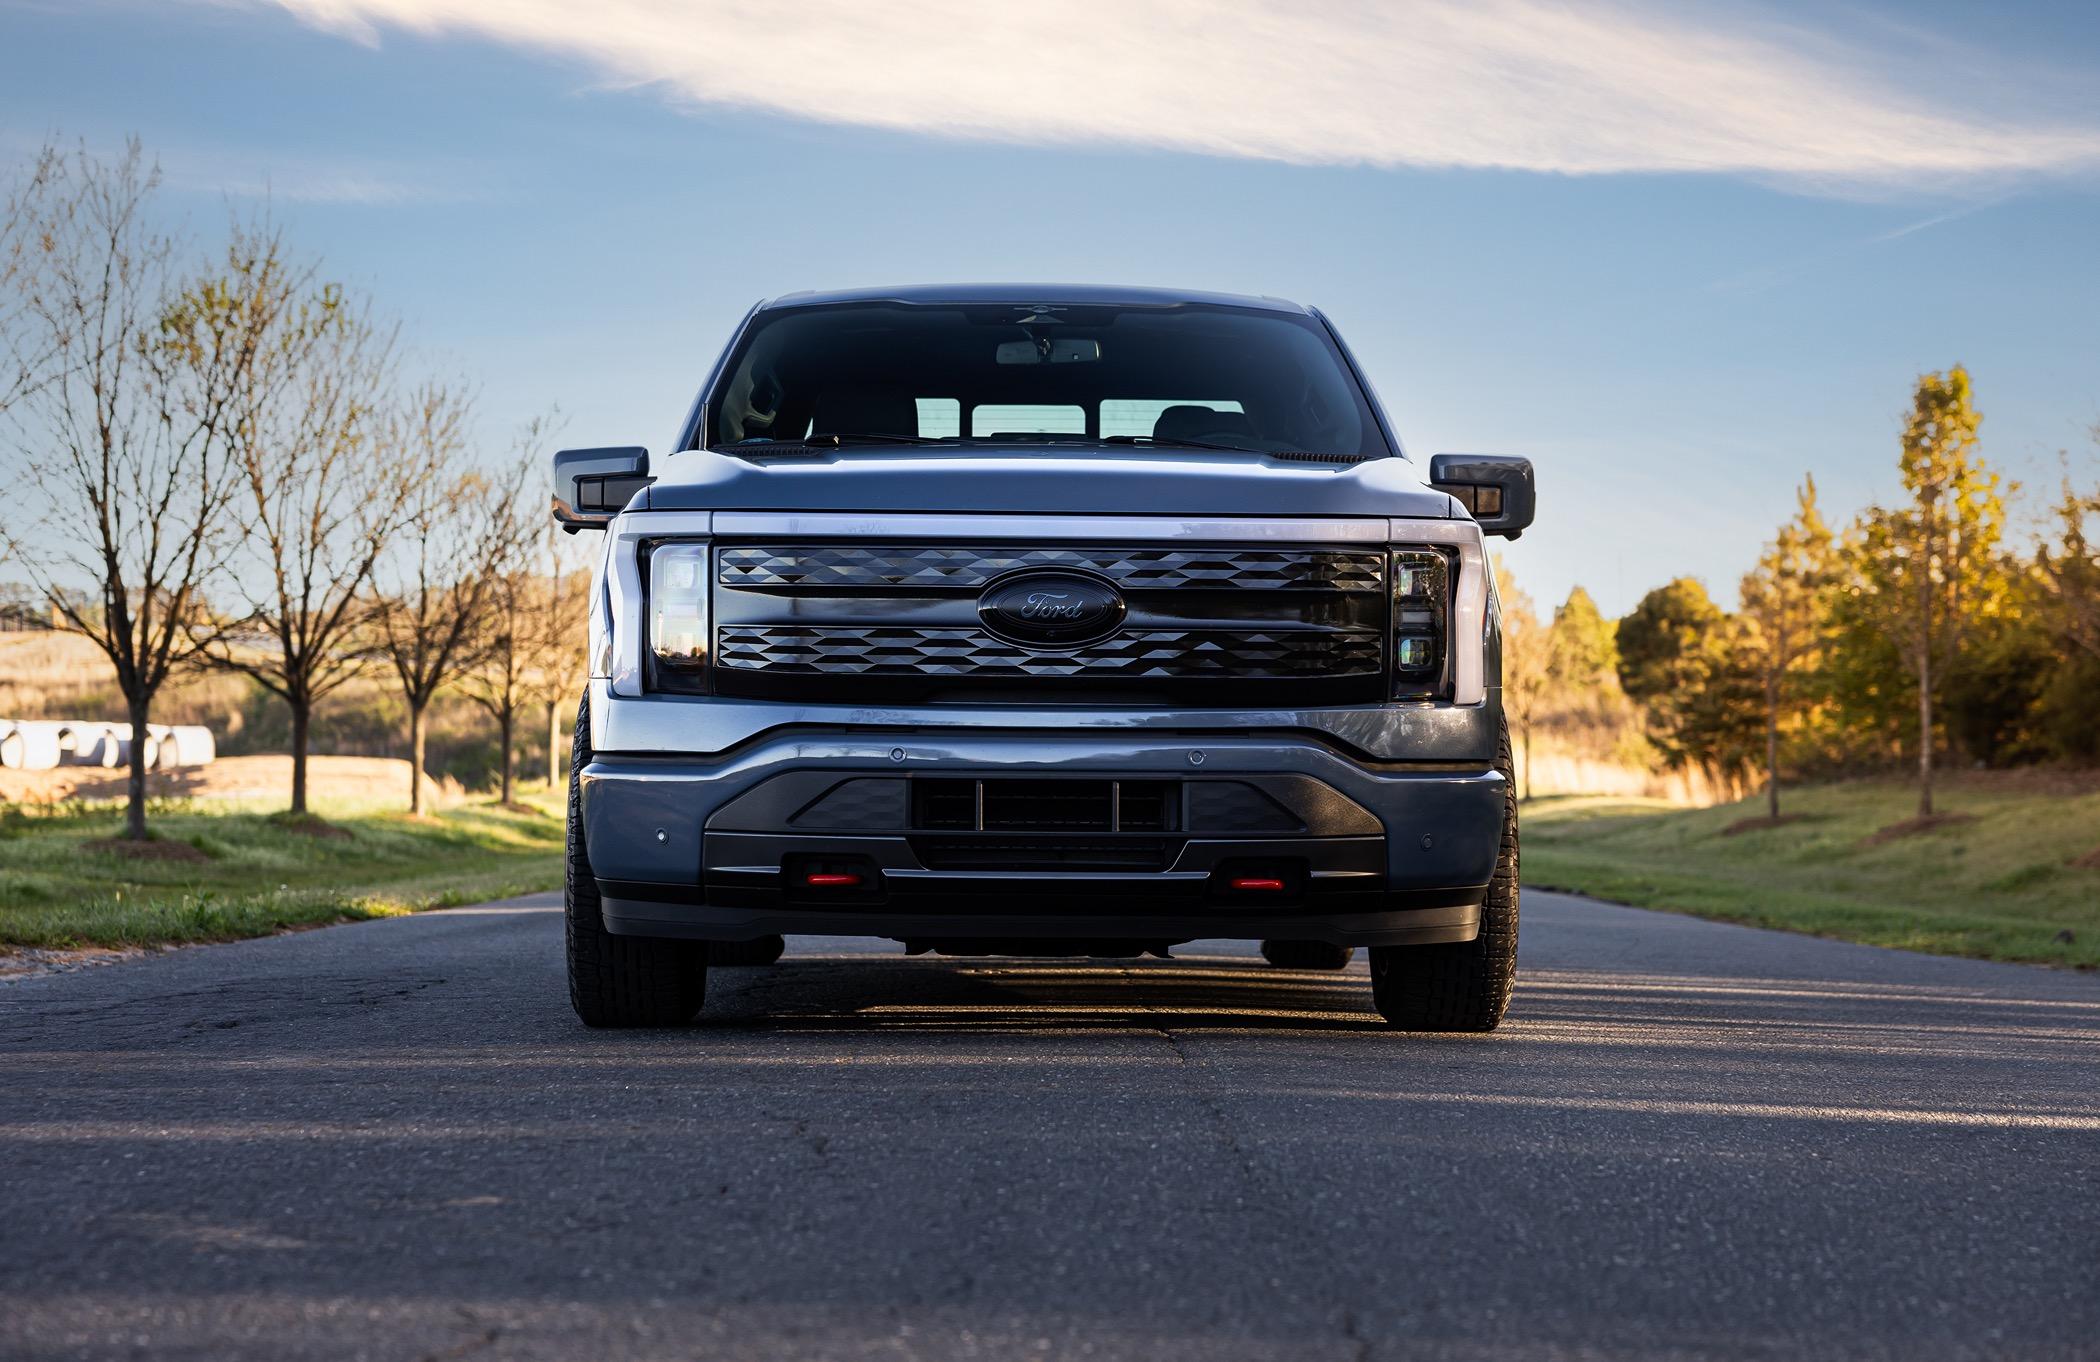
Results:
[1041, 481]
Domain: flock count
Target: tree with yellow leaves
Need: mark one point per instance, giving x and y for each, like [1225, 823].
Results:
[1785, 618]
[1927, 569]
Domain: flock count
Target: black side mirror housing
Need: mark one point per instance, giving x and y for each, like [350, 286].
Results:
[1497, 489]
[591, 486]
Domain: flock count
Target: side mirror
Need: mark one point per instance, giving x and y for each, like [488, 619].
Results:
[1497, 489]
[591, 486]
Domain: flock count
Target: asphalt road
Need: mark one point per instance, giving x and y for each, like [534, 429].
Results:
[392, 1140]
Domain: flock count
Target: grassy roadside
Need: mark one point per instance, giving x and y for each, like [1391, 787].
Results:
[1999, 882]
[222, 873]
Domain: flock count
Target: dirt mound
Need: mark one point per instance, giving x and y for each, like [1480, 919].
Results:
[144, 851]
[1912, 827]
[348, 780]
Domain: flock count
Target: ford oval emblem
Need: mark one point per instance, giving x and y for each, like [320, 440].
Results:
[1051, 609]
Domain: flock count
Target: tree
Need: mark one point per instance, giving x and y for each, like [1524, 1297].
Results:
[438, 575]
[507, 633]
[1680, 659]
[1527, 660]
[320, 490]
[561, 662]
[2072, 569]
[1785, 617]
[1585, 644]
[124, 380]
[1929, 567]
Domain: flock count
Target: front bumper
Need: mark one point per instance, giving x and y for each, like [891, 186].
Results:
[1368, 853]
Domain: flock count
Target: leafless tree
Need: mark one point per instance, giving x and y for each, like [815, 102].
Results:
[320, 490]
[23, 204]
[562, 642]
[506, 650]
[442, 568]
[127, 374]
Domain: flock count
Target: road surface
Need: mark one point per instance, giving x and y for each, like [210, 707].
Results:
[392, 1140]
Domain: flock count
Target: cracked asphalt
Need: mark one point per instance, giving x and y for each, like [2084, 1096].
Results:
[392, 1140]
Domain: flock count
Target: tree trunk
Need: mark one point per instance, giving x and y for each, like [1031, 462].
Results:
[302, 717]
[415, 757]
[1527, 763]
[135, 784]
[1925, 736]
[1772, 749]
[554, 744]
[506, 721]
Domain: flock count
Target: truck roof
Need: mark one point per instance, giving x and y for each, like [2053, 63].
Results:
[1021, 295]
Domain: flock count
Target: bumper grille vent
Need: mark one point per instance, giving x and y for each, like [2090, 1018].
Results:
[1180, 654]
[904, 567]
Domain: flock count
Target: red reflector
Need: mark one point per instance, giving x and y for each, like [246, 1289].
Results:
[817, 879]
[1260, 883]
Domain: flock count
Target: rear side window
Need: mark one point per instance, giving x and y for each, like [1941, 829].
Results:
[993, 419]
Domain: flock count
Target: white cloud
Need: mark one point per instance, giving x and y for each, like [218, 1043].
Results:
[1538, 85]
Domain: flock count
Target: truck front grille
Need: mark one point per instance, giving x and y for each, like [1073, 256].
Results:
[1180, 654]
[904, 567]
[1212, 624]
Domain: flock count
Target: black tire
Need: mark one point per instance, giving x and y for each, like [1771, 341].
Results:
[763, 950]
[619, 980]
[1461, 985]
[1306, 954]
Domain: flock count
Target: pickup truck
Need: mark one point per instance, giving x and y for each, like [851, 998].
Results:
[1032, 620]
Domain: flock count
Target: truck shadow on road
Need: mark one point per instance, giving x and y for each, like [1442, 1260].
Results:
[986, 996]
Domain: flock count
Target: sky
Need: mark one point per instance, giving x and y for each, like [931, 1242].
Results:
[1680, 255]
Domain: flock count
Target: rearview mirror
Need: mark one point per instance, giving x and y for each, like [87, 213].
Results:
[1496, 489]
[1043, 350]
[591, 486]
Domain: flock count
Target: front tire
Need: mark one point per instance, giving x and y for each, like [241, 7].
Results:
[1460, 985]
[619, 980]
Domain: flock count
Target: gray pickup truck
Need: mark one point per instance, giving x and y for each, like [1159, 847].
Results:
[1032, 620]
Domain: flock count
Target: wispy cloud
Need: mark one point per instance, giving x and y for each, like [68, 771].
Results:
[1779, 272]
[1535, 85]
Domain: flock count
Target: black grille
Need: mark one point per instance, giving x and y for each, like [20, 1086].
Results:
[940, 568]
[1065, 804]
[1178, 654]
[1042, 853]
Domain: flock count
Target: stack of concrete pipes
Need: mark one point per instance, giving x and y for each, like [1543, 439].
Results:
[40, 744]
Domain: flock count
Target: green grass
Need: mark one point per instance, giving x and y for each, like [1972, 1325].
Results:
[2001, 887]
[258, 873]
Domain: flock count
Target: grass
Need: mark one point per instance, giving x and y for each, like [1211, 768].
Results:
[226, 873]
[2000, 884]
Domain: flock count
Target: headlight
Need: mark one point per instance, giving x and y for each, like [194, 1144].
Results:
[677, 585]
[1421, 598]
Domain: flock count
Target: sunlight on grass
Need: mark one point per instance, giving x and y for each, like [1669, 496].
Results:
[2001, 886]
[218, 873]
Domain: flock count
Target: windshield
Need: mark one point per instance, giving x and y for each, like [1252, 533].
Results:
[1186, 376]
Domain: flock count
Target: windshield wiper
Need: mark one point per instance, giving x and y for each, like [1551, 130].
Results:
[832, 440]
[1156, 443]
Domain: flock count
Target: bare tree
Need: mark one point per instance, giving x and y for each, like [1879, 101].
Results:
[506, 635]
[562, 659]
[20, 250]
[320, 489]
[437, 578]
[126, 379]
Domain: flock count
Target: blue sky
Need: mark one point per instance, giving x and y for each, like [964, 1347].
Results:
[1679, 256]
